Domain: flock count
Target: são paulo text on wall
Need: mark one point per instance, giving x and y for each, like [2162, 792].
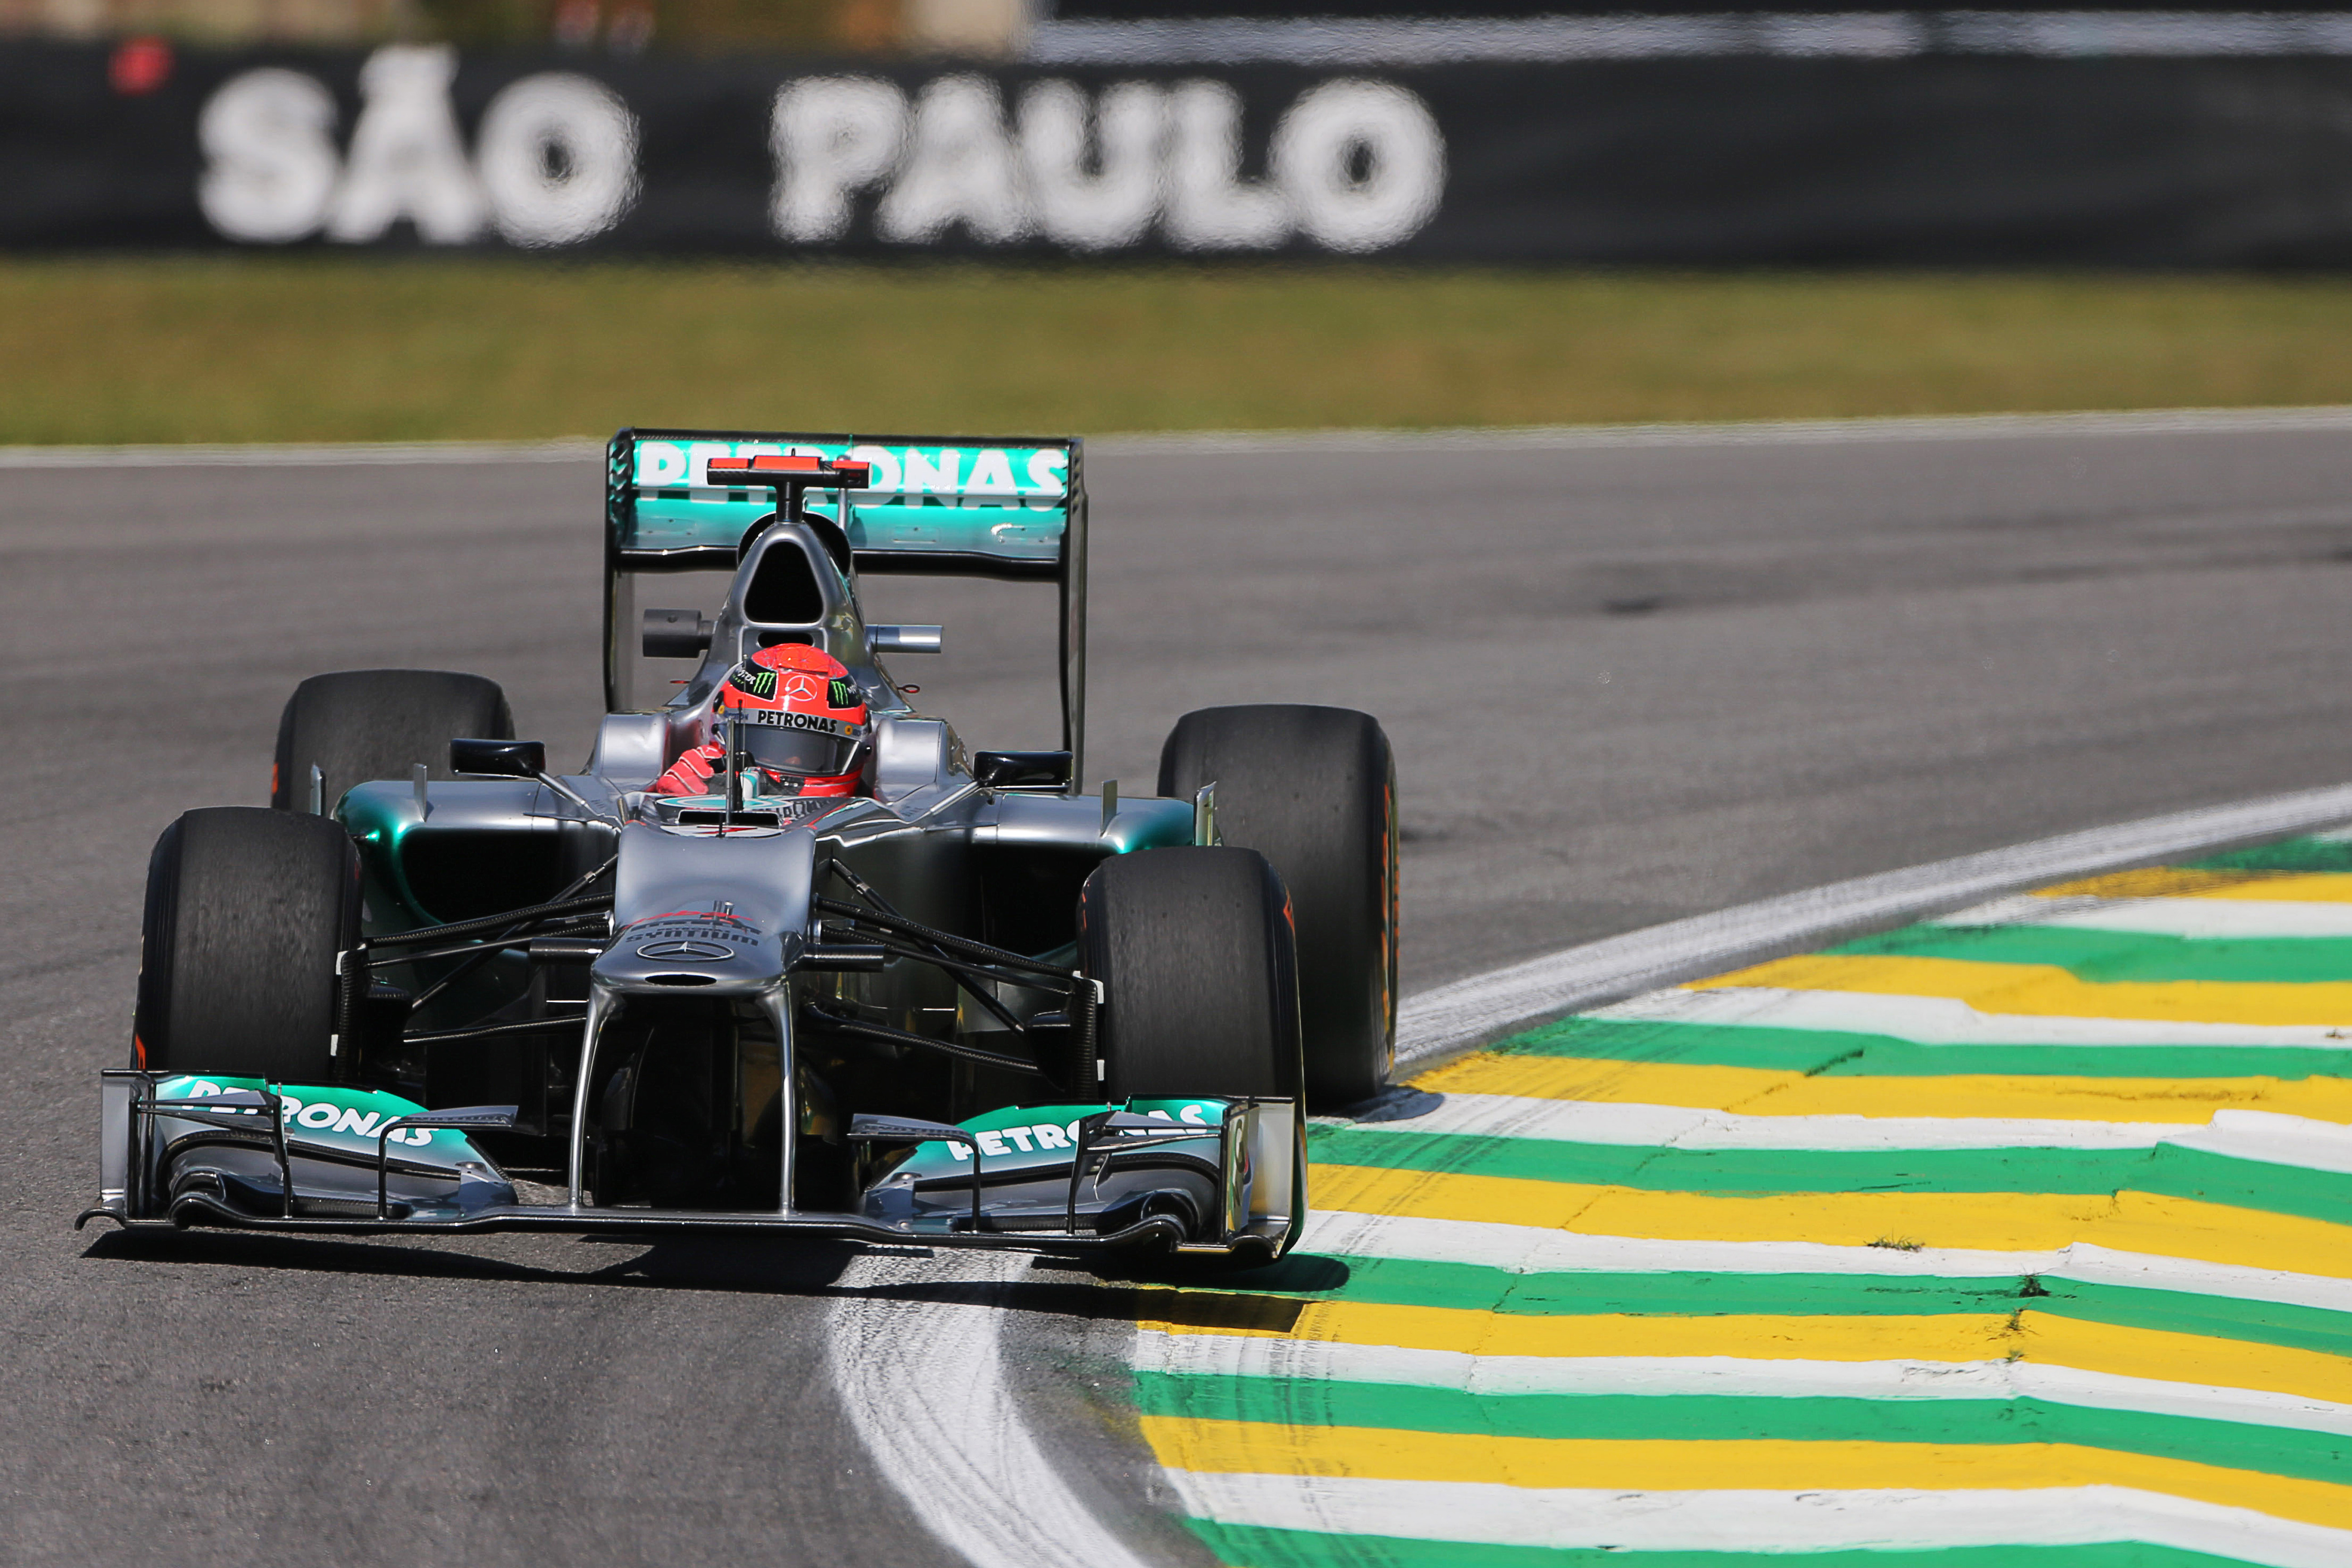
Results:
[1350, 164]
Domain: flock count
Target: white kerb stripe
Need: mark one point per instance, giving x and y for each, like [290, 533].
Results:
[1941, 1020]
[2265, 1137]
[1678, 1127]
[1471, 1012]
[2196, 918]
[1314, 1360]
[1527, 1249]
[1745, 1521]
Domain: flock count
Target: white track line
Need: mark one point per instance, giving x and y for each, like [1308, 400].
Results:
[1741, 433]
[346, 455]
[922, 1383]
[1529, 437]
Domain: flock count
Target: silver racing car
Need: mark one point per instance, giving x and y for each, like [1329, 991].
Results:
[781, 954]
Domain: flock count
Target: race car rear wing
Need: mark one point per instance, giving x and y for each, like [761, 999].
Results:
[1007, 506]
[970, 506]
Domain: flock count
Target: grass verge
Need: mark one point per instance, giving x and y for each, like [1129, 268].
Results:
[322, 348]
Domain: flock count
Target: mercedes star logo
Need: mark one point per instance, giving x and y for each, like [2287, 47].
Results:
[699, 952]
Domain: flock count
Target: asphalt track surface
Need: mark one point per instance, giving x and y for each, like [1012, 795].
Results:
[1625, 684]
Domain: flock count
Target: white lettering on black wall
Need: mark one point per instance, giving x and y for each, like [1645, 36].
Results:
[556, 163]
[268, 141]
[1352, 165]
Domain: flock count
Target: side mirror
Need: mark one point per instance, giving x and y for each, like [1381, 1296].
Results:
[499, 759]
[1022, 770]
[904, 640]
[677, 634]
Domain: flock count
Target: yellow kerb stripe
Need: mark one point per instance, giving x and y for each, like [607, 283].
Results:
[1762, 1465]
[1761, 1092]
[2039, 990]
[2166, 882]
[1990, 1222]
[1958, 1337]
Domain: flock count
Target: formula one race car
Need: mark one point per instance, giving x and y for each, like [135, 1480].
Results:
[781, 954]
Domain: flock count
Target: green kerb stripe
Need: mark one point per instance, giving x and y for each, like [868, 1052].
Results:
[2287, 855]
[1707, 1417]
[1470, 1286]
[1729, 1171]
[2218, 1317]
[2165, 1168]
[1414, 1283]
[2106, 956]
[1253, 1546]
[1843, 1055]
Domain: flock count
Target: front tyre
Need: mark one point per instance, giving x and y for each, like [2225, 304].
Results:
[249, 913]
[1313, 791]
[1193, 949]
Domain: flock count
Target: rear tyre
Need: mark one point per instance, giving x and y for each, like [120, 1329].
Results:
[1313, 791]
[361, 725]
[1193, 949]
[247, 912]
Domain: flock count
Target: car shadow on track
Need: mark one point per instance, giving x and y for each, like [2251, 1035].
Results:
[801, 1268]
[1266, 1298]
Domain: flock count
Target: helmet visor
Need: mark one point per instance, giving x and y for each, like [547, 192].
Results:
[810, 753]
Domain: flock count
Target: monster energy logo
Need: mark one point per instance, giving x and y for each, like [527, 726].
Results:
[755, 682]
[844, 693]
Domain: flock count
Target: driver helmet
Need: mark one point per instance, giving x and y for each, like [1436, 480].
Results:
[799, 720]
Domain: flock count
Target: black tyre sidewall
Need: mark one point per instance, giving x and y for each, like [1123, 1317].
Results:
[1314, 790]
[248, 910]
[158, 935]
[356, 725]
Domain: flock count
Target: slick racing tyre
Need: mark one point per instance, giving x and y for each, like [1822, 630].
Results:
[247, 912]
[1193, 949]
[361, 724]
[1313, 791]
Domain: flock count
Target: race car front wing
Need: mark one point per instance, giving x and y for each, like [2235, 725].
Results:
[1205, 1176]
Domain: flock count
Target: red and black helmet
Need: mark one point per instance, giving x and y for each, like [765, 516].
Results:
[797, 713]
